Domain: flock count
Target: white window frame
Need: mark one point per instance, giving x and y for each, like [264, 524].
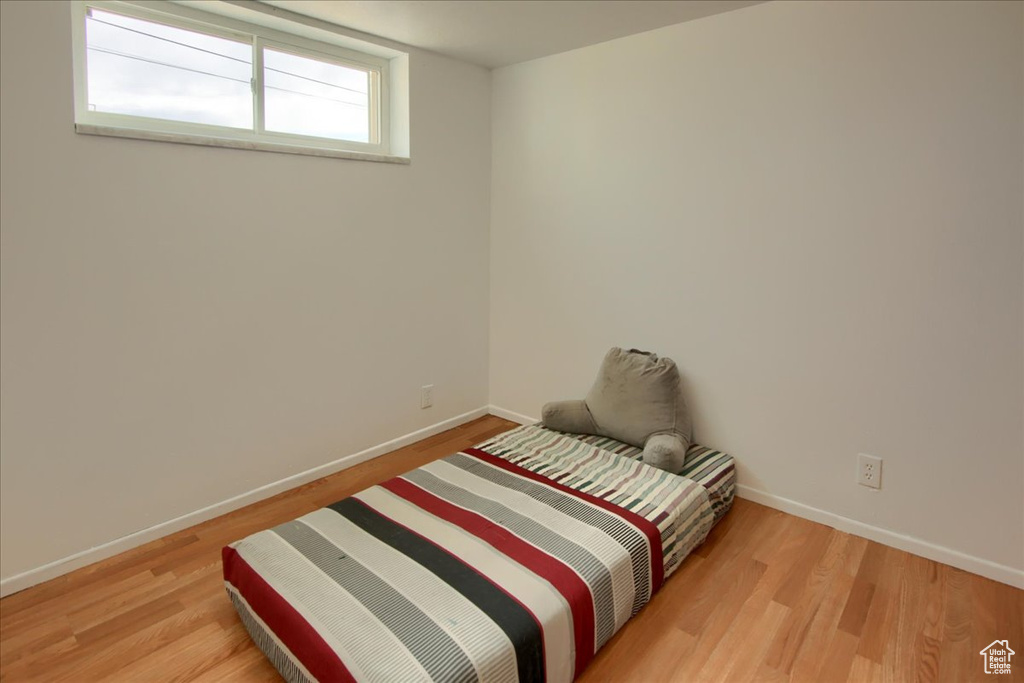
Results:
[178, 16]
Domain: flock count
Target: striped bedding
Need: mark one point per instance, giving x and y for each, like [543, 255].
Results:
[516, 560]
[714, 470]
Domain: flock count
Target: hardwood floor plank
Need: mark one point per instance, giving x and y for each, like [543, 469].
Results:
[900, 654]
[927, 652]
[858, 602]
[63, 603]
[864, 670]
[729, 550]
[838, 659]
[871, 566]
[205, 647]
[956, 662]
[788, 552]
[38, 637]
[810, 659]
[667, 648]
[109, 661]
[758, 640]
[247, 665]
[793, 633]
[38, 665]
[767, 597]
[130, 621]
[879, 625]
[87, 616]
[803, 570]
[767, 674]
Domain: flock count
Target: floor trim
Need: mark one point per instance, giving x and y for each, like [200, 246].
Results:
[914, 546]
[509, 415]
[52, 570]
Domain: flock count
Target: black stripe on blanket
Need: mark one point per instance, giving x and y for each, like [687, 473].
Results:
[435, 650]
[597, 576]
[517, 623]
[628, 536]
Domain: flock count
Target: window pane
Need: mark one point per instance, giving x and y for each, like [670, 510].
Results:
[143, 68]
[305, 96]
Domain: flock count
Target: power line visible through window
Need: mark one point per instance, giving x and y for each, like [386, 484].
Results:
[151, 70]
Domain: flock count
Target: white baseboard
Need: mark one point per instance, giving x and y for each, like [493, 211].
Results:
[915, 546]
[954, 558]
[51, 570]
[509, 415]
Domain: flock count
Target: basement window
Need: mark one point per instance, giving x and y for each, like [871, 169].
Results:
[172, 73]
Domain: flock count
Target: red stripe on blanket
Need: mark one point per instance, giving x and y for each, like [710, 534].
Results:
[288, 625]
[646, 527]
[558, 574]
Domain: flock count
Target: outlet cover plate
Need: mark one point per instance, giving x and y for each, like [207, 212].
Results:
[869, 471]
[426, 395]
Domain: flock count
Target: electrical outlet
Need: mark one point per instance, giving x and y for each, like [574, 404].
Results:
[426, 395]
[869, 471]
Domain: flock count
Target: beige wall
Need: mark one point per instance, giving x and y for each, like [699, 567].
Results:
[816, 209]
[183, 324]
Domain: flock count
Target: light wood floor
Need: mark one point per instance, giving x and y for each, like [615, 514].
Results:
[768, 597]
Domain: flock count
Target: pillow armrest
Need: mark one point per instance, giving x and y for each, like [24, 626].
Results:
[568, 416]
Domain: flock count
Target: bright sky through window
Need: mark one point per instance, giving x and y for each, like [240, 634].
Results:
[142, 68]
[309, 97]
[146, 69]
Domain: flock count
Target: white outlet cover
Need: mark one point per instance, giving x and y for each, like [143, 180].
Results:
[869, 471]
[426, 395]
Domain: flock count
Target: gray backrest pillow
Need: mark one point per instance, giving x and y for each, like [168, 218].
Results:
[636, 399]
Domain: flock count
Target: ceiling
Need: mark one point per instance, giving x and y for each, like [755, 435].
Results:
[495, 33]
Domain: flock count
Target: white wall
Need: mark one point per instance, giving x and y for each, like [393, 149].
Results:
[816, 210]
[814, 207]
[183, 324]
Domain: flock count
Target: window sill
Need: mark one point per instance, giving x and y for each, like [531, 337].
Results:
[258, 145]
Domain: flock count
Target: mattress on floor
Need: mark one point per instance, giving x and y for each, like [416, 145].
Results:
[714, 470]
[516, 560]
